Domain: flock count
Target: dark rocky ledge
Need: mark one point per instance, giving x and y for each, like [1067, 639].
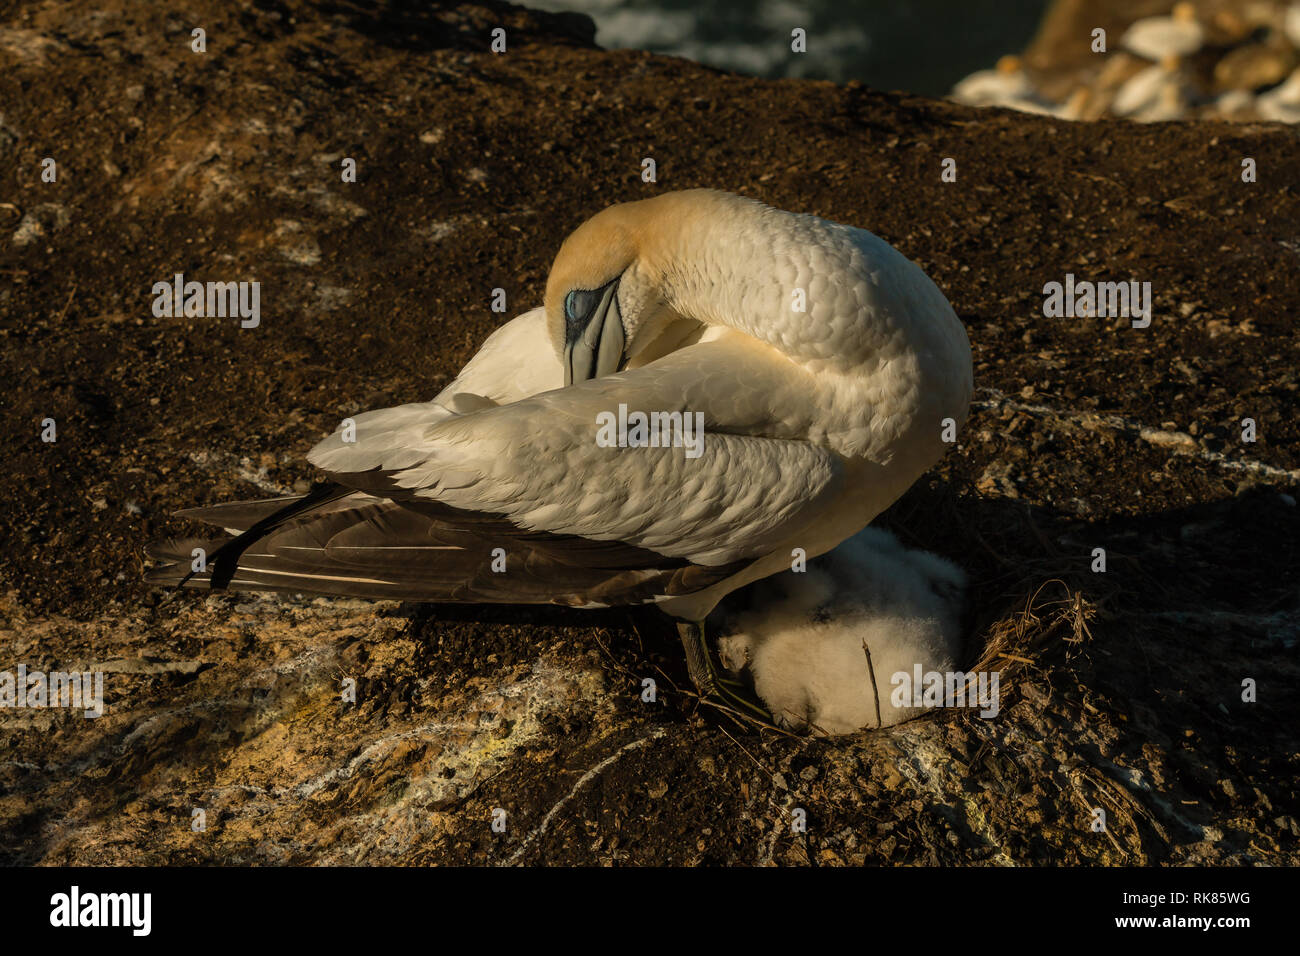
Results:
[1120, 691]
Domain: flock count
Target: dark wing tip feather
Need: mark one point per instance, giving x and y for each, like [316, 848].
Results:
[179, 550]
[342, 541]
[240, 515]
[176, 562]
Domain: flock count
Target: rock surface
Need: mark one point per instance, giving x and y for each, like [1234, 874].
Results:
[1120, 690]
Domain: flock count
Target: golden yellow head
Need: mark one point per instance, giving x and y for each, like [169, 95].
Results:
[604, 294]
[594, 254]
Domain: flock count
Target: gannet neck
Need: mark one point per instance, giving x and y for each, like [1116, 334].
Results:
[882, 350]
[836, 299]
[818, 291]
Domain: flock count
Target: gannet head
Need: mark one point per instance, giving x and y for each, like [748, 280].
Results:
[604, 295]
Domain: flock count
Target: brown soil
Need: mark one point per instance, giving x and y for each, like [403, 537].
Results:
[472, 168]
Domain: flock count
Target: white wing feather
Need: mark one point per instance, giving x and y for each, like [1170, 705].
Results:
[536, 460]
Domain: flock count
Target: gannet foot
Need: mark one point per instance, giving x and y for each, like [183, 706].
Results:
[728, 695]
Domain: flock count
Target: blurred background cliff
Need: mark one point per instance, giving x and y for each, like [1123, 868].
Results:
[1226, 59]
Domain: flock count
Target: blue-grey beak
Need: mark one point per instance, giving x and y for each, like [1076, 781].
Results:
[594, 337]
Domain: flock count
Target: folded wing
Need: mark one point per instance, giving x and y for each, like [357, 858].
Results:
[465, 499]
[539, 462]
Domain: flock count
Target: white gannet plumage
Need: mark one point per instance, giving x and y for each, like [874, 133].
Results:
[824, 645]
[1178, 34]
[1007, 83]
[1157, 94]
[1282, 103]
[815, 421]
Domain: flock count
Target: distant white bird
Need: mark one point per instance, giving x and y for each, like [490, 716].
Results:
[823, 645]
[1003, 85]
[824, 366]
[1157, 94]
[1008, 85]
[1291, 24]
[1155, 38]
[1234, 102]
[1282, 103]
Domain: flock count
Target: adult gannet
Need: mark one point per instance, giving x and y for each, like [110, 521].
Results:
[1157, 94]
[1282, 103]
[1179, 34]
[1004, 85]
[498, 491]
[1008, 85]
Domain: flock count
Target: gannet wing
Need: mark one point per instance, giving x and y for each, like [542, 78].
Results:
[517, 503]
[368, 546]
[537, 462]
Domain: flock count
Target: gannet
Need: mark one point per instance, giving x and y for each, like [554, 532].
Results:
[825, 647]
[827, 367]
[1179, 34]
[1282, 103]
[1157, 94]
[1008, 85]
[1005, 84]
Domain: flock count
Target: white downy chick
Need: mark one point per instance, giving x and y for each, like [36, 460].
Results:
[803, 636]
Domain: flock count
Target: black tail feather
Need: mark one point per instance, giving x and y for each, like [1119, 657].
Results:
[225, 560]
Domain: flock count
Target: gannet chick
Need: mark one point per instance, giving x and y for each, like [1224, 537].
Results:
[806, 635]
[1155, 38]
